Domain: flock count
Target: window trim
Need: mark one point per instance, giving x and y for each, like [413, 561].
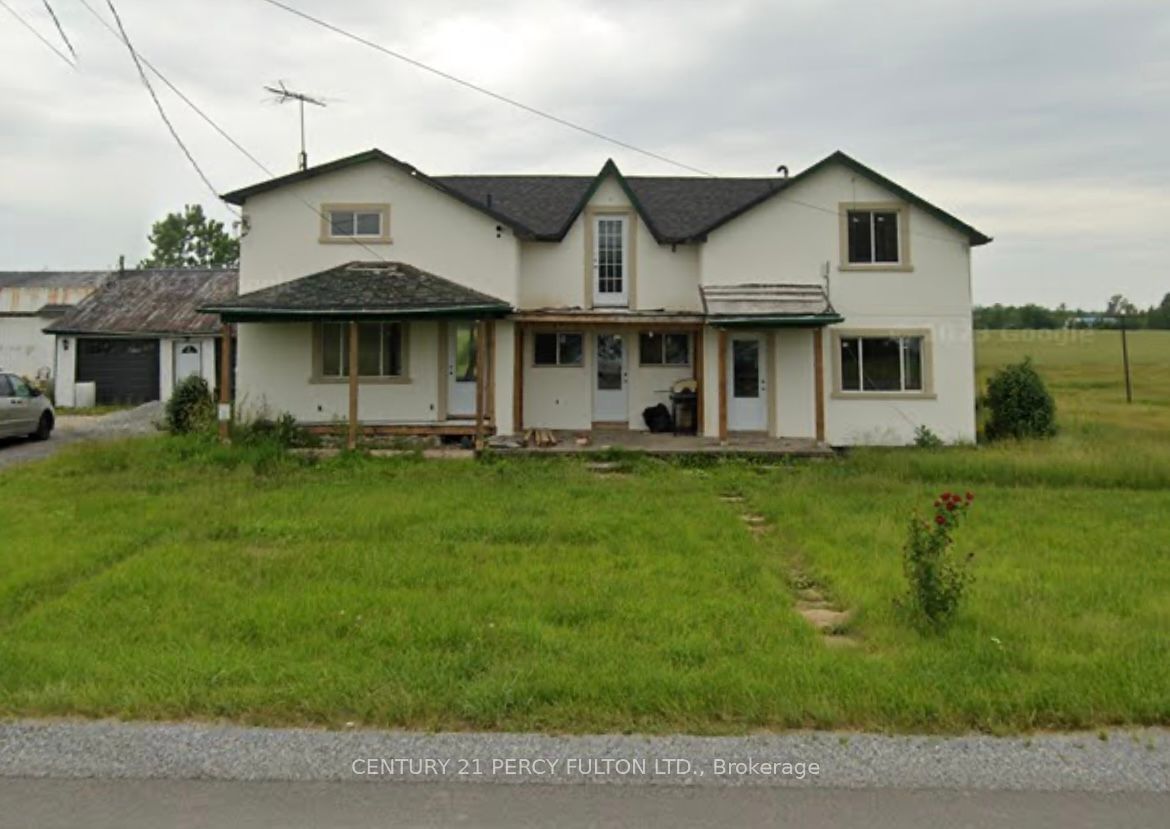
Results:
[904, 263]
[927, 391]
[327, 237]
[317, 374]
[591, 215]
[664, 334]
[558, 333]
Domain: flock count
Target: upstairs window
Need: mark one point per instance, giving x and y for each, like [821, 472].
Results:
[882, 364]
[610, 260]
[558, 349]
[873, 237]
[664, 349]
[355, 223]
[379, 349]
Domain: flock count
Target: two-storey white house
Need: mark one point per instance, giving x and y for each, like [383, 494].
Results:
[832, 305]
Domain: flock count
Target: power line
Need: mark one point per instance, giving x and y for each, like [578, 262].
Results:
[60, 29]
[483, 90]
[158, 104]
[38, 35]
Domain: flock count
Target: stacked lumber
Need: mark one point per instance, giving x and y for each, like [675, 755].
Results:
[540, 438]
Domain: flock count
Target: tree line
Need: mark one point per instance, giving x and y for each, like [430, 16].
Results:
[1038, 316]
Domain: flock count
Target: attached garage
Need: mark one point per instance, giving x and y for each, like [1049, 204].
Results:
[124, 371]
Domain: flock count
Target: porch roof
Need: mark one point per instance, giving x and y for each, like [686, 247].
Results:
[361, 290]
[768, 305]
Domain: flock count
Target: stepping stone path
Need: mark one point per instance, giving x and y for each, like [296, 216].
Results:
[812, 604]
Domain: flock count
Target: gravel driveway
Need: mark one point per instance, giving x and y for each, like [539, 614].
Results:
[78, 428]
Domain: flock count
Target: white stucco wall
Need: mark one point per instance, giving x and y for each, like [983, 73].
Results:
[24, 348]
[794, 384]
[554, 274]
[428, 229]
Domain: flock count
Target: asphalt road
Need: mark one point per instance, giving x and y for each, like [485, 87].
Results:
[130, 804]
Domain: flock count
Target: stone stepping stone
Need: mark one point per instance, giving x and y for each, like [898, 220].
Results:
[731, 499]
[825, 619]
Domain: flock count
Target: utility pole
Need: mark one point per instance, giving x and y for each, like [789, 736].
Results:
[1125, 359]
[284, 95]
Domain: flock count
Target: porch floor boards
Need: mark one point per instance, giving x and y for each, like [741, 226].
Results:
[666, 444]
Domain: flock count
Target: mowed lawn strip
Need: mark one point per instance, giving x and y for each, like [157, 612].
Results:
[170, 578]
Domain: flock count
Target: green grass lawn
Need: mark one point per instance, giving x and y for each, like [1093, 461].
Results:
[168, 578]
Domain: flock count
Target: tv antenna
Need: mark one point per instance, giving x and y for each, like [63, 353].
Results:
[283, 96]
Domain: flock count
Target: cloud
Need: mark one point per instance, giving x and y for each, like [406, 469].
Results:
[1043, 123]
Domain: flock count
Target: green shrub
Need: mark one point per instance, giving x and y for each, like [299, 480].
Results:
[937, 577]
[925, 438]
[283, 432]
[190, 408]
[1018, 404]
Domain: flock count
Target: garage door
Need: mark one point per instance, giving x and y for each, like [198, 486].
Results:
[125, 371]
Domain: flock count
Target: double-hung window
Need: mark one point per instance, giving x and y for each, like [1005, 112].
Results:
[611, 264]
[379, 349]
[882, 364]
[873, 237]
[656, 349]
[558, 349]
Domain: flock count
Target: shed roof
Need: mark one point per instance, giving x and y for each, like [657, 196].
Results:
[160, 301]
[361, 290]
[51, 279]
[776, 304]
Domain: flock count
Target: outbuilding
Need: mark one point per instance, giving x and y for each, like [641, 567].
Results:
[140, 334]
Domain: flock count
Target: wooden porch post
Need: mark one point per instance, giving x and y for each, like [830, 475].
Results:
[819, 381]
[490, 367]
[225, 381]
[723, 384]
[518, 380]
[351, 442]
[700, 426]
[480, 360]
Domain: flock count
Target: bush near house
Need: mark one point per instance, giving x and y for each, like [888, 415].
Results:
[190, 408]
[1019, 404]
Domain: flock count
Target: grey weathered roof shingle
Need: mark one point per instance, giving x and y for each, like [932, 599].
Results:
[157, 301]
[361, 289]
[51, 279]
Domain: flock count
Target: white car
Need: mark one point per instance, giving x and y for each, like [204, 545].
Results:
[24, 411]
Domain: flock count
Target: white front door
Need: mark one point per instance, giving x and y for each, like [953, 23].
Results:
[610, 379]
[188, 361]
[461, 369]
[747, 409]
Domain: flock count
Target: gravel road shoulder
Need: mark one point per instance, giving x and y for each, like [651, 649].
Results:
[1115, 761]
[72, 429]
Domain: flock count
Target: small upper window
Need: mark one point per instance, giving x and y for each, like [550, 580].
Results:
[356, 223]
[664, 349]
[555, 349]
[873, 237]
[882, 364]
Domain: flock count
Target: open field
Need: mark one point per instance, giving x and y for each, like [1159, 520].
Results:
[170, 578]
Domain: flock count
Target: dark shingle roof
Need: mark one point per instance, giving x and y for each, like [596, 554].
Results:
[153, 301]
[361, 289]
[676, 209]
[51, 279]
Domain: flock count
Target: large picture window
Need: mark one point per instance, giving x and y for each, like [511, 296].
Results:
[558, 349]
[664, 349]
[882, 364]
[873, 237]
[379, 349]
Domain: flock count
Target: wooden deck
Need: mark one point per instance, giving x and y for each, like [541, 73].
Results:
[744, 444]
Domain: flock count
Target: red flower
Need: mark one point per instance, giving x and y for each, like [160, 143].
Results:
[940, 519]
[937, 504]
[951, 506]
[970, 496]
[946, 496]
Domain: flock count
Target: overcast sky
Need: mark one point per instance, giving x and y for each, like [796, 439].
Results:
[1044, 123]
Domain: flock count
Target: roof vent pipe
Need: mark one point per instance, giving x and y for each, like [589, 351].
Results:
[783, 170]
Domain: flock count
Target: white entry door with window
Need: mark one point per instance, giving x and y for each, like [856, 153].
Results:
[461, 369]
[747, 409]
[611, 260]
[610, 379]
[188, 361]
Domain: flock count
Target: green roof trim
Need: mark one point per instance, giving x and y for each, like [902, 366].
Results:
[784, 321]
